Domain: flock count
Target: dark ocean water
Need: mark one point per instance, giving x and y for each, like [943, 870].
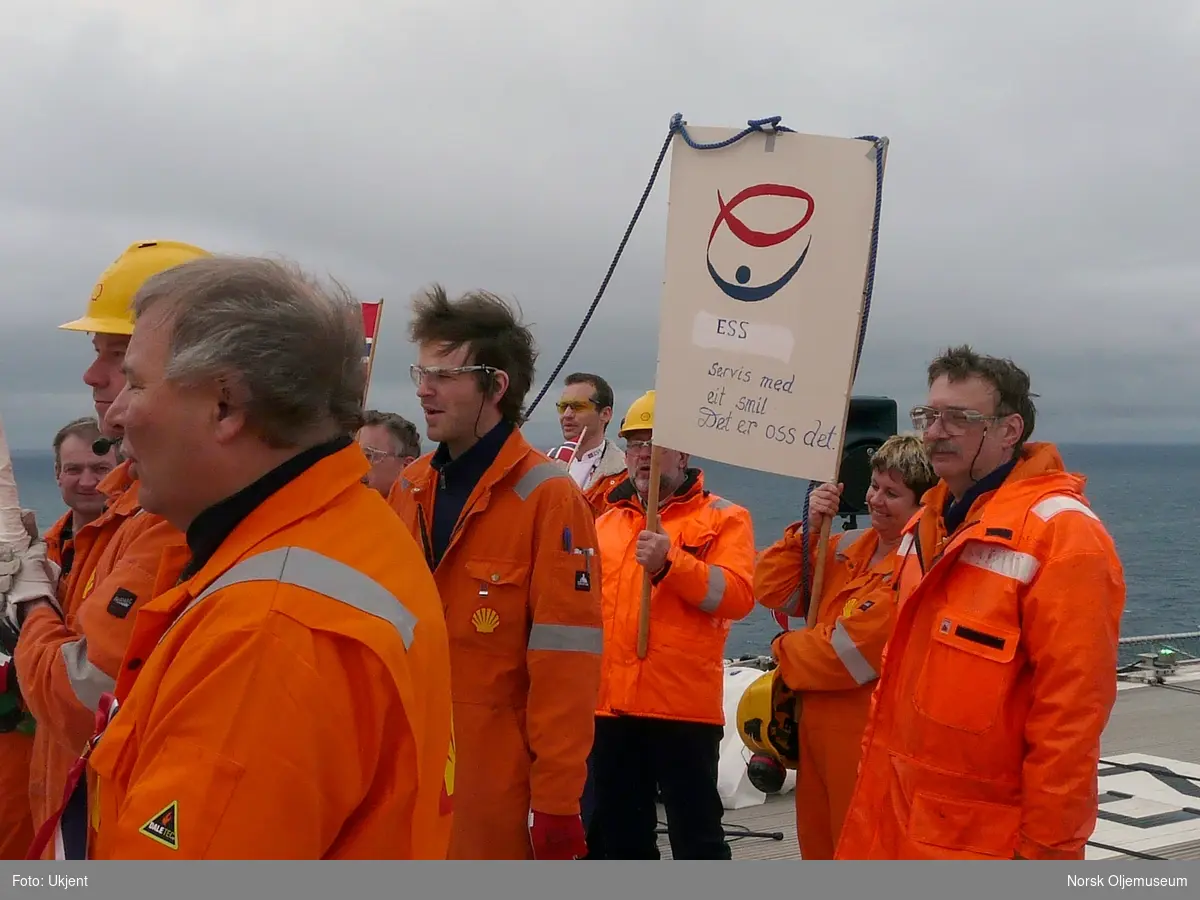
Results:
[1148, 496]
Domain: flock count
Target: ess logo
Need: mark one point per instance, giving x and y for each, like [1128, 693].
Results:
[743, 291]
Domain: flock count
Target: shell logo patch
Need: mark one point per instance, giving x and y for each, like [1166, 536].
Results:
[485, 620]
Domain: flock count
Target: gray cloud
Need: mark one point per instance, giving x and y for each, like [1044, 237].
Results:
[1039, 197]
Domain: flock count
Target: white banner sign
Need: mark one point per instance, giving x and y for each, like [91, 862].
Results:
[768, 242]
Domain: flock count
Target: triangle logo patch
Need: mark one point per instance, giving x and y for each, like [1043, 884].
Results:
[163, 827]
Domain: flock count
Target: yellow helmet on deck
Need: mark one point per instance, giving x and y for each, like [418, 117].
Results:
[109, 311]
[768, 721]
[640, 416]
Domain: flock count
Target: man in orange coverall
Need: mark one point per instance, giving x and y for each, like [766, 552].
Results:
[833, 663]
[64, 662]
[509, 538]
[984, 733]
[289, 698]
[79, 470]
[659, 720]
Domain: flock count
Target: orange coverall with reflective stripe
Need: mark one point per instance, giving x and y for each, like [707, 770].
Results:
[289, 701]
[707, 587]
[984, 733]
[65, 664]
[523, 613]
[834, 662]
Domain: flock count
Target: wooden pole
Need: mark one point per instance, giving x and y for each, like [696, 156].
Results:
[823, 542]
[651, 525]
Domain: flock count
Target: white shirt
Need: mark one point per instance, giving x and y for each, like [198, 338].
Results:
[582, 468]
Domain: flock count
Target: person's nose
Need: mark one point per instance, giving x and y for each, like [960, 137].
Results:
[93, 375]
[115, 417]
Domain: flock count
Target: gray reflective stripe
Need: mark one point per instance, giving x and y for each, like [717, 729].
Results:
[846, 540]
[856, 664]
[580, 638]
[720, 503]
[793, 603]
[405, 484]
[536, 476]
[1057, 503]
[716, 589]
[87, 681]
[308, 569]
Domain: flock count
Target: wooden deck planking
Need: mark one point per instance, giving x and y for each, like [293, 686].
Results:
[1156, 725]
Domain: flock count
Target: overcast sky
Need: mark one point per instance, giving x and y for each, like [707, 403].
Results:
[1040, 197]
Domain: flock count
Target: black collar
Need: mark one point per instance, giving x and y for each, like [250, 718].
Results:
[955, 513]
[468, 468]
[209, 529]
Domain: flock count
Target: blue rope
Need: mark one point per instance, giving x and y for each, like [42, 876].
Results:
[768, 124]
[677, 126]
[868, 292]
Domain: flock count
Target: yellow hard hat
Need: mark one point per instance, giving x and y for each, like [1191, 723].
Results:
[640, 416]
[109, 312]
[768, 720]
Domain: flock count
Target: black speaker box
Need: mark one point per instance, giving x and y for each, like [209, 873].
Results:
[872, 420]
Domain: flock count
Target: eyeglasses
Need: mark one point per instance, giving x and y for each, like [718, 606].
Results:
[441, 374]
[638, 446]
[375, 455]
[954, 421]
[576, 405]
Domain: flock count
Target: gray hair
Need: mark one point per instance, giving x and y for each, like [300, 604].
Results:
[289, 350]
[406, 439]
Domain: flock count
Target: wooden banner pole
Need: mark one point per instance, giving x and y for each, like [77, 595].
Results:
[643, 644]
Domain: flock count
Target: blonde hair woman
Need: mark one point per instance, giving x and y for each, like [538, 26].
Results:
[833, 662]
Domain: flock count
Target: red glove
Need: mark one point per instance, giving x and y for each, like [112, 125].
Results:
[557, 837]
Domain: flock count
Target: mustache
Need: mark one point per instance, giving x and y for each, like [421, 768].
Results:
[943, 447]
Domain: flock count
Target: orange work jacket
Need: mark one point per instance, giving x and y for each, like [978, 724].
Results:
[708, 584]
[834, 661]
[16, 822]
[523, 611]
[64, 665]
[60, 549]
[835, 658]
[291, 700]
[984, 733]
[16, 746]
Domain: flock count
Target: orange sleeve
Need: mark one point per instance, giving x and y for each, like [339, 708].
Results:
[778, 572]
[721, 584]
[240, 745]
[844, 655]
[565, 641]
[63, 672]
[776, 579]
[1070, 621]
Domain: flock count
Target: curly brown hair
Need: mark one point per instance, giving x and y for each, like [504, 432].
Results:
[492, 331]
[1010, 382]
